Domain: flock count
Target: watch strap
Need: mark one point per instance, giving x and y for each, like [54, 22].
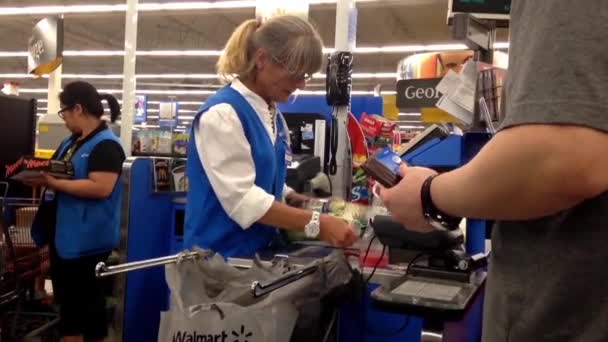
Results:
[430, 210]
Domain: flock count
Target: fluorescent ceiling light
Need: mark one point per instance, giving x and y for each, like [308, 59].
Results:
[144, 7]
[13, 54]
[141, 91]
[180, 110]
[361, 75]
[118, 76]
[198, 92]
[180, 102]
[153, 117]
[215, 53]
[409, 114]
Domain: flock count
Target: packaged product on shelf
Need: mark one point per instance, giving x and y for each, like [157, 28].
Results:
[178, 175]
[360, 184]
[180, 143]
[379, 132]
[162, 175]
[164, 142]
[30, 167]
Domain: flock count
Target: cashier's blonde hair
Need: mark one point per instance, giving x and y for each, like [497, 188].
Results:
[291, 41]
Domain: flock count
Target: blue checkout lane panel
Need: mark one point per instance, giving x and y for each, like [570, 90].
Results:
[146, 291]
[360, 322]
[318, 104]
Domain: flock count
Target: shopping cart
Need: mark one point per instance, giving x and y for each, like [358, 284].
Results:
[22, 265]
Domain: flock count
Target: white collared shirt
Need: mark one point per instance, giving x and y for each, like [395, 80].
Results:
[226, 157]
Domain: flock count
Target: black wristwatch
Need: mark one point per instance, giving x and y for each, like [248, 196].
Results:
[434, 216]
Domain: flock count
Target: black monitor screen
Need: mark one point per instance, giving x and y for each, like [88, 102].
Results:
[482, 6]
[17, 135]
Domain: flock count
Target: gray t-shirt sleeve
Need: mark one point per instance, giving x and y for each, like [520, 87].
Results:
[558, 65]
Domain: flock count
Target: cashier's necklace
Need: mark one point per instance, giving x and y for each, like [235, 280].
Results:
[273, 117]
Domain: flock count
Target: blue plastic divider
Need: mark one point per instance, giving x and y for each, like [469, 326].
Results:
[146, 291]
[360, 322]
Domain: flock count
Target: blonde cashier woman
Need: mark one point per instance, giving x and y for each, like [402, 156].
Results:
[237, 156]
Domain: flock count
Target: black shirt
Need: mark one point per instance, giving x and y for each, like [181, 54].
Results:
[107, 156]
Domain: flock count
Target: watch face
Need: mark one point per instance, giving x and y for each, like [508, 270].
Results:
[312, 230]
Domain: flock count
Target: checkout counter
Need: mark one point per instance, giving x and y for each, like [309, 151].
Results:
[389, 311]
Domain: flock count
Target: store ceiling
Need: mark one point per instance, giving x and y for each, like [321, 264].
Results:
[380, 23]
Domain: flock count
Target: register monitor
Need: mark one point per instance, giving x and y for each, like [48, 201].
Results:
[494, 10]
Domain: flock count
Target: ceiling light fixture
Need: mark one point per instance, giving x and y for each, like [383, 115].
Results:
[143, 7]
[141, 91]
[215, 53]
[198, 92]
[362, 75]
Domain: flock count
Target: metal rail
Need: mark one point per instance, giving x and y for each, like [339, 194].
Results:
[102, 270]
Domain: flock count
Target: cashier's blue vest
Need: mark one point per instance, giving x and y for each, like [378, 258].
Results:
[84, 226]
[207, 224]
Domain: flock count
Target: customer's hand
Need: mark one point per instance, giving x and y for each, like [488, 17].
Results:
[403, 200]
[337, 232]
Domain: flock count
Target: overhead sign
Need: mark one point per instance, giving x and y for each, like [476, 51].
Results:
[417, 93]
[482, 6]
[45, 46]
[167, 113]
[141, 109]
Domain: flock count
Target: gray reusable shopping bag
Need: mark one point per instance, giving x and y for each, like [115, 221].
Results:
[213, 301]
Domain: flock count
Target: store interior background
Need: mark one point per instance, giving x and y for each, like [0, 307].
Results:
[190, 41]
[177, 52]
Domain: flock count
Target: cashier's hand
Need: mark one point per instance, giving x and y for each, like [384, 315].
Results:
[336, 231]
[41, 181]
[403, 200]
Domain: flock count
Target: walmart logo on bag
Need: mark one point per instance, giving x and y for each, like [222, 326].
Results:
[237, 336]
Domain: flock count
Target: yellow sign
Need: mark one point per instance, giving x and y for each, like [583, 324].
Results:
[44, 154]
[43, 128]
[436, 115]
[391, 112]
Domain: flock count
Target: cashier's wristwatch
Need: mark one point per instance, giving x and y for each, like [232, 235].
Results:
[434, 216]
[313, 227]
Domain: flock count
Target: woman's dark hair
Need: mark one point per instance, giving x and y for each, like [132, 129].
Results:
[84, 94]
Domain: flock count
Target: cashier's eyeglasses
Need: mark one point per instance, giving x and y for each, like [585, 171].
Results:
[298, 77]
[63, 110]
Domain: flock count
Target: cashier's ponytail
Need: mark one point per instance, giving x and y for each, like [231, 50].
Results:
[236, 59]
[289, 40]
[113, 104]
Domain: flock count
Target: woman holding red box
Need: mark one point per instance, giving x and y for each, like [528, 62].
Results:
[79, 218]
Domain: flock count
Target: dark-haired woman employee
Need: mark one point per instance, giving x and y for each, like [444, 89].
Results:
[79, 218]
